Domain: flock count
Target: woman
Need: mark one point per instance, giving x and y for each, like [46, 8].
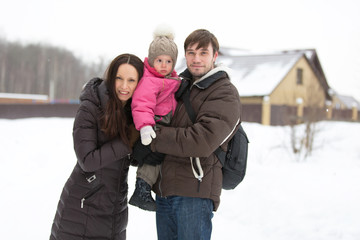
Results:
[93, 204]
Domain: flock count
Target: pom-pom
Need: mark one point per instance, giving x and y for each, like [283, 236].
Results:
[164, 31]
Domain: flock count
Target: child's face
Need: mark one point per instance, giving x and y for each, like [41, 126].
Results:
[163, 64]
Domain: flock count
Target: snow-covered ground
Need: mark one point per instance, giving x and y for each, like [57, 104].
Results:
[279, 199]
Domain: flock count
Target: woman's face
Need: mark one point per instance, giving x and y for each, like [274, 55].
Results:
[126, 81]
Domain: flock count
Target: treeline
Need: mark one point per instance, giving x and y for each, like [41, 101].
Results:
[43, 69]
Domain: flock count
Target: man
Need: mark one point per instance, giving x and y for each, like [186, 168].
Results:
[189, 186]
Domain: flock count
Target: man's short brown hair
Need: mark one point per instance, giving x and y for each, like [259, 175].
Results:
[203, 37]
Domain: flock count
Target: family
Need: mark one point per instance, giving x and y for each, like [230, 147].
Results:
[132, 117]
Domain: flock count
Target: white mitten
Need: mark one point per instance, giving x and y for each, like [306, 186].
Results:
[147, 134]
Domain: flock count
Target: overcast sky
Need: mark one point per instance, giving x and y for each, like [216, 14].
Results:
[93, 29]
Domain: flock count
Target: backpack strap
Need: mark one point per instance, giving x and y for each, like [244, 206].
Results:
[190, 111]
[221, 155]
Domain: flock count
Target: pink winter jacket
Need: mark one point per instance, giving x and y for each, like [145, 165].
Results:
[154, 95]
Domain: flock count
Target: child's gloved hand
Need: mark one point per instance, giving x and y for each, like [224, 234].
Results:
[147, 134]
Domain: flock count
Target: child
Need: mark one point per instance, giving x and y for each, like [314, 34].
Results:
[154, 103]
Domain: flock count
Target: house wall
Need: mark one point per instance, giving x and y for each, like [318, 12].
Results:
[310, 91]
[251, 100]
[252, 109]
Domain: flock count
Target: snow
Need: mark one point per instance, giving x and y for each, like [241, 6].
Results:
[279, 199]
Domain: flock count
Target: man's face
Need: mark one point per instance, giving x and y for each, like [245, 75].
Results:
[200, 61]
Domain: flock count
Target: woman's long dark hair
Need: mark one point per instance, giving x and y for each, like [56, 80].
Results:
[116, 117]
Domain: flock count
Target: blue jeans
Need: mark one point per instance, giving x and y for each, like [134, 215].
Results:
[183, 218]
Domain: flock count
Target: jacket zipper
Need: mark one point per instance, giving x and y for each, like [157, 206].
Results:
[116, 200]
[89, 194]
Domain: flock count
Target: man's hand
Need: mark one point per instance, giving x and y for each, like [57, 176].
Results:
[143, 154]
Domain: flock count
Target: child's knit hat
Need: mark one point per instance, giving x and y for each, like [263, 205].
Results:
[163, 44]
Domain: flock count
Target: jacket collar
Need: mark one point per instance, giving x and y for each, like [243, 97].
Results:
[209, 78]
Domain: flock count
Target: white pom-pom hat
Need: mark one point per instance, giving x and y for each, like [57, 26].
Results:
[163, 44]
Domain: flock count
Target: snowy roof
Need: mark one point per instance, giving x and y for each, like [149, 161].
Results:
[258, 75]
[24, 96]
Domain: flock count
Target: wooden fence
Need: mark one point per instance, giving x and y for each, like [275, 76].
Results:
[285, 115]
[15, 111]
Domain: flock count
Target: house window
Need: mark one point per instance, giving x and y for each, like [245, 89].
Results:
[299, 76]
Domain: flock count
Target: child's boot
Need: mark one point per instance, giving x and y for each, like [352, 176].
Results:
[142, 196]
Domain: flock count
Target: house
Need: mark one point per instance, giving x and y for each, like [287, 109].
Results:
[21, 98]
[18, 105]
[344, 102]
[344, 107]
[279, 88]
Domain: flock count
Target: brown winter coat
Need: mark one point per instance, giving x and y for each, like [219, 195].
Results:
[216, 103]
[93, 204]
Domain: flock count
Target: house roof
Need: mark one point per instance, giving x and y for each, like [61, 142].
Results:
[258, 75]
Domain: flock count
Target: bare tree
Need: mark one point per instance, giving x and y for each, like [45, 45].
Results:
[42, 69]
[304, 128]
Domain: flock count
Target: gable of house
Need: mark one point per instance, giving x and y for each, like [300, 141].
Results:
[300, 86]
